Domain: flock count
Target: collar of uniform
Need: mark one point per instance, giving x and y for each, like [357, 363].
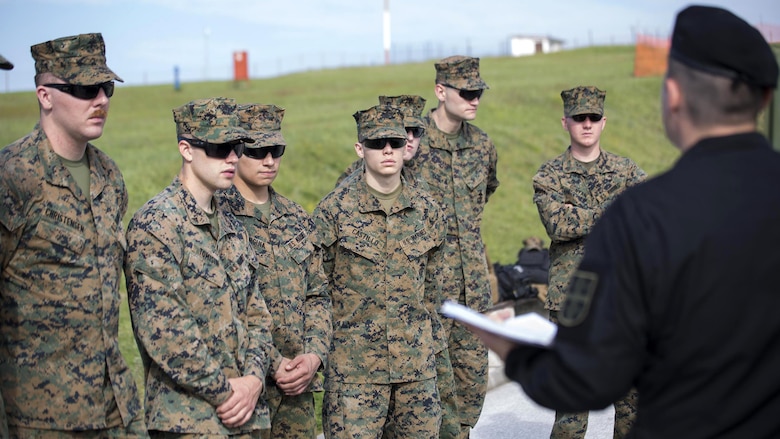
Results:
[195, 214]
[572, 165]
[239, 206]
[369, 203]
[55, 171]
[438, 139]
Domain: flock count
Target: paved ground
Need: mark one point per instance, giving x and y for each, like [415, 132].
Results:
[509, 414]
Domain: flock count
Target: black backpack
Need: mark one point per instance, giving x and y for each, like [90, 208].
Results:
[516, 281]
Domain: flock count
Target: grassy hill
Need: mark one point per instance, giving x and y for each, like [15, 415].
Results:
[521, 112]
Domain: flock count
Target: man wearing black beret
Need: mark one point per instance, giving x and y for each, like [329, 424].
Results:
[678, 292]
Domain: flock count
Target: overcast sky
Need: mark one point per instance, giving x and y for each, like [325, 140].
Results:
[147, 39]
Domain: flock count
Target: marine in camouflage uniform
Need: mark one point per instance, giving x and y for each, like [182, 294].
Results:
[412, 107]
[61, 250]
[199, 318]
[458, 162]
[380, 236]
[571, 192]
[290, 272]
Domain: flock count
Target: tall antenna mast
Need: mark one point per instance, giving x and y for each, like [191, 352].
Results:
[386, 29]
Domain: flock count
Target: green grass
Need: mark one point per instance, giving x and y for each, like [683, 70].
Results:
[521, 112]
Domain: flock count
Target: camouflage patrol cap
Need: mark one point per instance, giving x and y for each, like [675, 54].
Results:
[5, 64]
[79, 60]
[213, 120]
[380, 122]
[461, 72]
[263, 123]
[583, 100]
[411, 106]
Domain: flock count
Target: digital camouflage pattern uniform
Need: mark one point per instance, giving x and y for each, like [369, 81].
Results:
[383, 269]
[195, 300]
[570, 197]
[412, 107]
[61, 253]
[460, 171]
[293, 283]
[4, 65]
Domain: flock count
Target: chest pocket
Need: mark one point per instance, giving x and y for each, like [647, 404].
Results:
[203, 265]
[475, 176]
[417, 244]
[263, 250]
[300, 247]
[362, 244]
[61, 235]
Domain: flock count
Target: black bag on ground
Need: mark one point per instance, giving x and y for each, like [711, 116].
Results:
[513, 282]
[516, 281]
[535, 260]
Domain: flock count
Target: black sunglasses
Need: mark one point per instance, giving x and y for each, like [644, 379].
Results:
[276, 151]
[582, 117]
[380, 143]
[469, 95]
[417, 132]
[217, 150]
[84, 91]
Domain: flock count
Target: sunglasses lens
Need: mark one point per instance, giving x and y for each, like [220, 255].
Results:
[85, 91]
[396, 143]
[417, 132]
[219, 151]
[380, 143]
[276, 151]
[582, 117]
[108, 87]
[470, 95]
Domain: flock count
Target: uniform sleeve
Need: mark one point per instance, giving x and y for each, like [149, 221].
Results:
[492, 182]
[563, 220]
[436, 274]
[12, 220]
[325, 239]
[165, 330]
[598, 352]
[318, 326]
[636, 175]
[260, 349]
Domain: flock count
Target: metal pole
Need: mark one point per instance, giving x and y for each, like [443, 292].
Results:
[386, 27]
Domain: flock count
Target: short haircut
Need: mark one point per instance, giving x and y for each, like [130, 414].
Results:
[716, 100]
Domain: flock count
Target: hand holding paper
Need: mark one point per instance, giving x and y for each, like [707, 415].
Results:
[529, 329]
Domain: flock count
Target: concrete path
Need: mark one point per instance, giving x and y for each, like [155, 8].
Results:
[509, 414]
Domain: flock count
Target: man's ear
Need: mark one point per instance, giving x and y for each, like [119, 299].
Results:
[185, 149]
[441, 92]
[44, 97]
[359, 149]
[673, 94]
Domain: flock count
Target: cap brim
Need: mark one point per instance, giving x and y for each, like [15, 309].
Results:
[384, 133]
[94, 75]
[271, 138]
[222, 135]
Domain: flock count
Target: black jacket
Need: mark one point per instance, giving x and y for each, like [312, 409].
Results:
[685, 278]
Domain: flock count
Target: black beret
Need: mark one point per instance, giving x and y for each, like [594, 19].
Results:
[718, 42]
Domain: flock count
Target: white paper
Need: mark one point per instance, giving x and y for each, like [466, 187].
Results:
[528, 328]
